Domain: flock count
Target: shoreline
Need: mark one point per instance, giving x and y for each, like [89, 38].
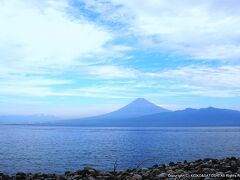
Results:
[227, 168]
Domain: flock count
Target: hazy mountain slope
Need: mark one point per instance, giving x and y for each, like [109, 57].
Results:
[137, 108]
[187, 117]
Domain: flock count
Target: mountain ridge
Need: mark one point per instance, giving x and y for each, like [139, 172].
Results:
[137, 108]
[209, 116]
[142, 113]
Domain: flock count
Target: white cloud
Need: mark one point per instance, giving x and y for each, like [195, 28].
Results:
[21, 86]
[207, 29]
[223, 81]
[39, 40]
[44, 34]
[223, 76]
[111, 72]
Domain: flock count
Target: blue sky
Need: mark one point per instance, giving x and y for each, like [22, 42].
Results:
[75, 58]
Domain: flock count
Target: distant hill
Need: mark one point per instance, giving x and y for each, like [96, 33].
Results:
[26, 119]
[138, 108]
[184, 118]
[145, 114]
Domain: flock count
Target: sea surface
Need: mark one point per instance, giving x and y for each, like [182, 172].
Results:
[58, 149]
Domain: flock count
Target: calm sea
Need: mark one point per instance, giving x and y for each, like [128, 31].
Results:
[58, 149]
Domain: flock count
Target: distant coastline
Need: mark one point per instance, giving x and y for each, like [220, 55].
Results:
[227, 168]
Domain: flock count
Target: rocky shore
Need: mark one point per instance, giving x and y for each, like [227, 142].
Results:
[228, 168]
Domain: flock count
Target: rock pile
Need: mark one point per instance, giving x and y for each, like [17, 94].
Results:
[228, 168]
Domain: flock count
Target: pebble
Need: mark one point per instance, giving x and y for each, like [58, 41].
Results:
[136, 177]
[162, 175]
